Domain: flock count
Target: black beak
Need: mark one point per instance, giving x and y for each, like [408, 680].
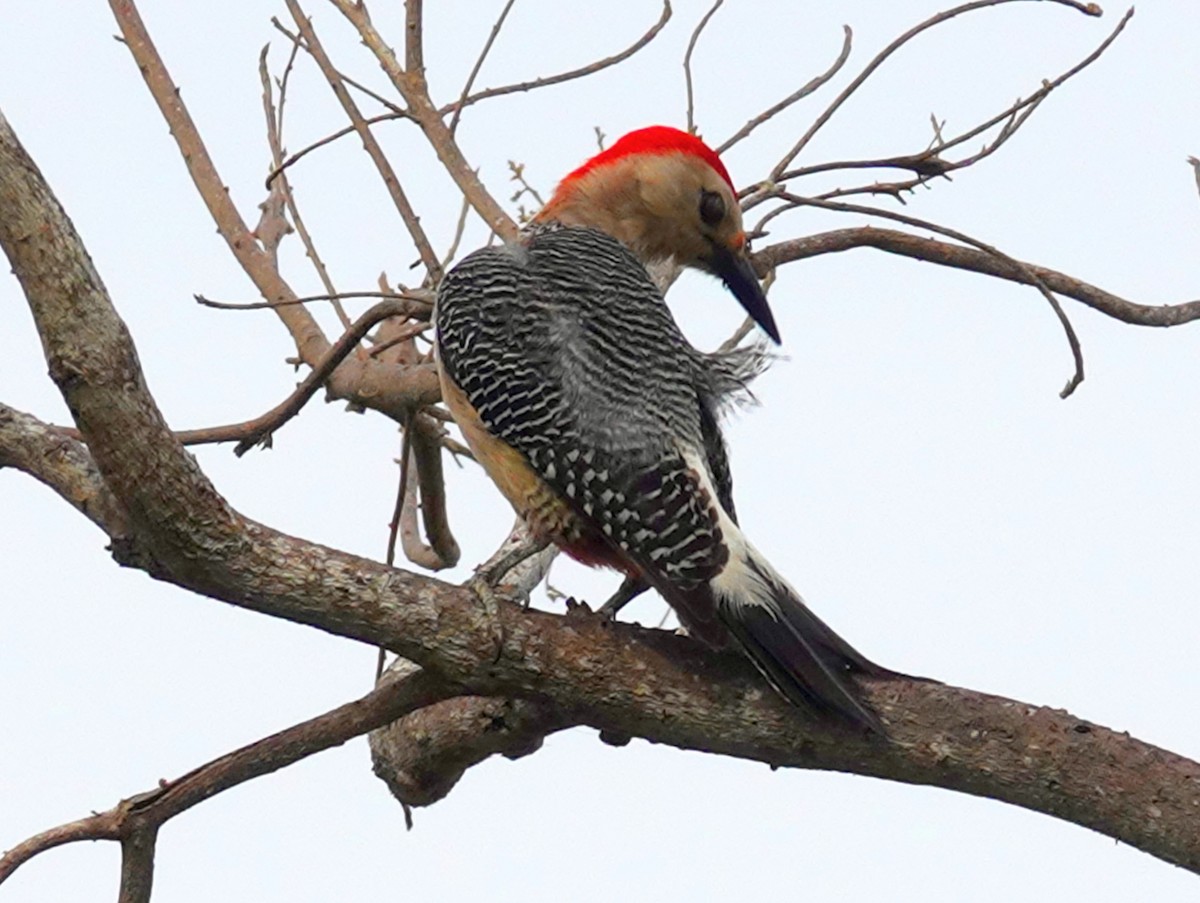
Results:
[739, 277]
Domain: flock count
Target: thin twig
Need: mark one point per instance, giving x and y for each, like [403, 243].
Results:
[403, 335]
[687, 63]
[148, 811]
[560, 77]
[827, 114]
[358, 86]
[275, 142]
[518, 176]
[799, 94]
[460, 229]
[283, 82]
[487, 47]
[930, 163]
[290, 407]
[1032, 277]
[328, 139]
[412, 222]
[416, 94]
[422, 301]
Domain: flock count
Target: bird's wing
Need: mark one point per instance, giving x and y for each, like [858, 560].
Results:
[567, 353]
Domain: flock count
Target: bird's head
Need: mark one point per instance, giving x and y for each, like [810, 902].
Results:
[666, 196]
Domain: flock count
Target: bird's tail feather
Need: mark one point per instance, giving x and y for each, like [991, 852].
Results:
[796, 651]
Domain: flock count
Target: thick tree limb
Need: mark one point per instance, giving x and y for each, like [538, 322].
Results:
[952, 255]
[424, 754]
[623, 680]
[63, 464]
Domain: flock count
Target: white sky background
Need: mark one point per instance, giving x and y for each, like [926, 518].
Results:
[912, 469]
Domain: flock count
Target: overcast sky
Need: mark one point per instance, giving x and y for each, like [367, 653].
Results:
[911, 469]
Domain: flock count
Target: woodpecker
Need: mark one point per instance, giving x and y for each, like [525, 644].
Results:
[599, 422]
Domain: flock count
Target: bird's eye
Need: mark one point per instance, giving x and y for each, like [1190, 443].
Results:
[712, 208]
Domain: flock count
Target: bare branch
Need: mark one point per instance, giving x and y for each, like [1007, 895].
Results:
[405, 333]
[460, 229]
[799, 94]
[137, 864]
[311, 342]
[976, 261]
[421, 108]
[411, 221]
[520, 580]
[419, 303]
[930, 162]
[687, 63]
[364, 382]
[63, 464]
[94, 827]
[427, 456]
[135, 820]
[404, 516]
[487, 47]
[424, 754]
[1032, 277]
[280, 181]
[827, 114]
[414, 52]
[328, 139]
[290, 407]
[559, 78]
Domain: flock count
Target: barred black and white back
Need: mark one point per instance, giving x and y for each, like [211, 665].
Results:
[566, 352]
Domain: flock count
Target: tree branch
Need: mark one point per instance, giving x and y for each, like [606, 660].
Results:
[310, 341]
[424, 754]
[322, 369]
[625, 681]
[558, 78]
[63, 464]
[414, 90]
[687, 64]
[948, 254]
[931, 162]
[135, 821]
[1032, 277]
[878, 60]
[483, 54]
[809, 87]
[404, 207]
[366, 382]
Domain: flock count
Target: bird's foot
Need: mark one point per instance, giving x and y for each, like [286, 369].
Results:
[578, 610]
